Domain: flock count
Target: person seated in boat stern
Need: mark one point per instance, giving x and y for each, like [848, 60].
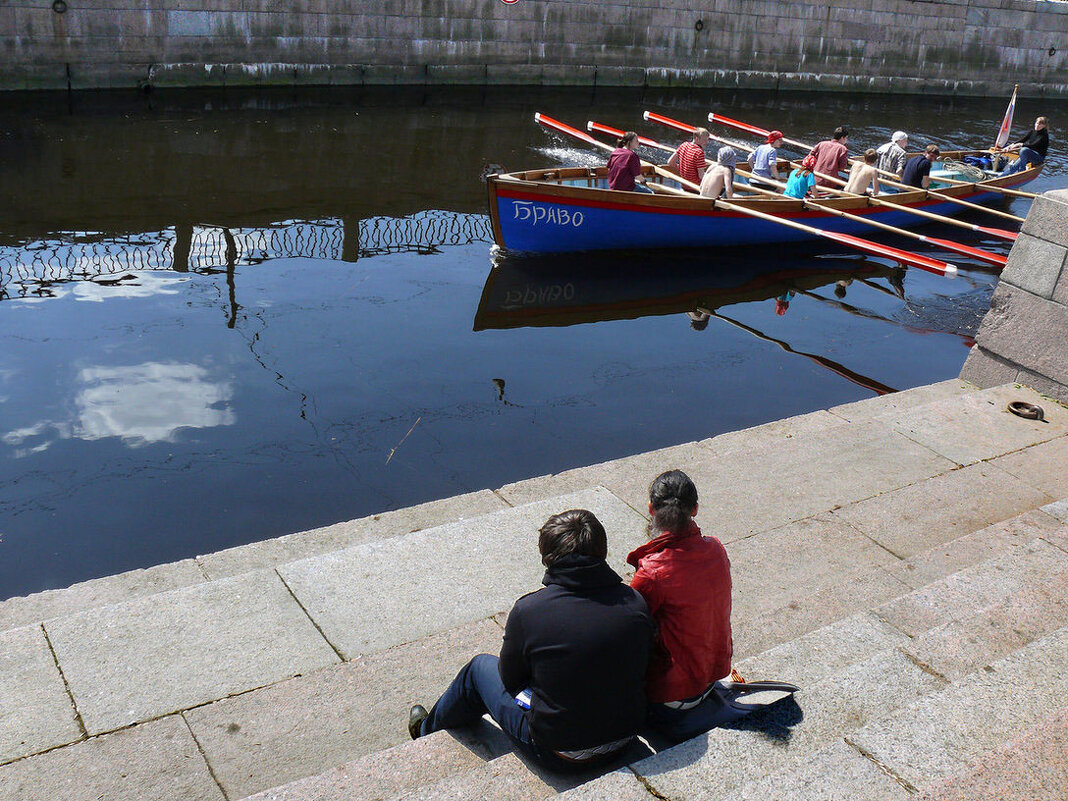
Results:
[801, 181]
[764, 161]
[719, 178]
[685, 579]
[569, 685]
[688, 161]
[892, 156]
[624, 166]
[1032, 148]
[918, 170]
[864, 176]
[832, 155]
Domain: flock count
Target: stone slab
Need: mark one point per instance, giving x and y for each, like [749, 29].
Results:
[723, 761]
[801, 615]
[870, 408]
[1029, 767]
[823, 653]
[503, 779]
[291, 547]
[977, 426]
[35, 711]
[1057, 510]
[157, 761]
[309, 724]
[619, 785]
[773, 433]
[837, 772]
[958, 596]
[41, 606]
[442, 577]
[1045, 219]
[930, 513]
[965, 645]
[774, 567]
[937, 736]
[971, 549]
[987, 369]
[1016, 329]
[624, 471]
[1034, 265]
[382, 775]
[1043, 466]
[146, 658]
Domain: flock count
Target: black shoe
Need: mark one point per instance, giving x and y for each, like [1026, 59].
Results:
[416, 716]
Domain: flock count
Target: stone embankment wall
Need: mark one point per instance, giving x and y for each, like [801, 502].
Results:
[1024, 336]
[968, 47]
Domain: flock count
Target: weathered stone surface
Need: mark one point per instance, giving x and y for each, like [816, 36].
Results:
[35, 711]
[930, 513]
[157, 760]
[291, 547]
[837, 771]
[1029, 767]
[965, 645]
[774, 567]
[619, 785]
[1042, 384]
[145, 658]
[822, 653]
[978, 425]
[1016, 329]
[724, 760]
[971, 549]
[451, 575]
[1034, 266]
[906, 399]
[938, 736]
[505, 778]
[959, 595]
[42, 606]
[773, 433]
[309, 724]
[756, 634]
[382, 775]
[986, 369]
[1045, 219]
[1043, 466]
[1057, 509]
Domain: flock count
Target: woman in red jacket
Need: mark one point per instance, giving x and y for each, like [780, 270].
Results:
[685, 579]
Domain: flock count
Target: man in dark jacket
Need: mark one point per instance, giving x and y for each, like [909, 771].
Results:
[1031, 149]
[575, 653]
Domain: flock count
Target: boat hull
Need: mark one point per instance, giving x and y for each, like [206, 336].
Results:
[559, 216]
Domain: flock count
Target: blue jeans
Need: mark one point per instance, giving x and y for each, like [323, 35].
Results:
[478, 689]
[1026, 158]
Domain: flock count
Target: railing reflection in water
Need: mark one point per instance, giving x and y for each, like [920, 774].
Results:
[28, 269]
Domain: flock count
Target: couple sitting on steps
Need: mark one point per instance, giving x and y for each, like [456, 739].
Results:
[587, 661]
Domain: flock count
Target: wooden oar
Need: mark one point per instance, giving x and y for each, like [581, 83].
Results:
[999, 233]
[905, 257]
[967, 250]
[932, 193]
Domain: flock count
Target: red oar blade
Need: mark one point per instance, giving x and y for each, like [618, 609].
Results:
[1000, 233]
[982, 255]
[597, 127]
[743, 126]
[651, 116]
[903, 256]
[556, 125]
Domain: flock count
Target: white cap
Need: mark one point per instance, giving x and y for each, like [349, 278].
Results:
[898, 136]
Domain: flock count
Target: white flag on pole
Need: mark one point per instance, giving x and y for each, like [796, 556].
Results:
[1006, 124]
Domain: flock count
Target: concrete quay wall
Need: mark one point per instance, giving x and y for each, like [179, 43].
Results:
[1024, 336]
[968, 47]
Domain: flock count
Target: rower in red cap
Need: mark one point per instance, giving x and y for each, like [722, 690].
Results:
[764, 161]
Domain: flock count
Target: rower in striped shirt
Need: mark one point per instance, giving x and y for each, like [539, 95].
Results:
[688, 161]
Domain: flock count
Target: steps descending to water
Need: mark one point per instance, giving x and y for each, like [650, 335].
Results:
[903, 590]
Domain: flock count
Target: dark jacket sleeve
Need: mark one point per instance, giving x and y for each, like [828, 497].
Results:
[515, 670]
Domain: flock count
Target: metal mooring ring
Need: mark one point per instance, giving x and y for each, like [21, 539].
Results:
[59, 6]
[1028, 411]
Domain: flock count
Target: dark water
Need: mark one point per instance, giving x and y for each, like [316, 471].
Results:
[226, 317]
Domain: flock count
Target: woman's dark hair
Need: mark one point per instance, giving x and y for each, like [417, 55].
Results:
[575, 531]
[629, 135]
[673, 497]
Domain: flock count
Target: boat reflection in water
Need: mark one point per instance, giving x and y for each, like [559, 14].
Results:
[571, 289]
